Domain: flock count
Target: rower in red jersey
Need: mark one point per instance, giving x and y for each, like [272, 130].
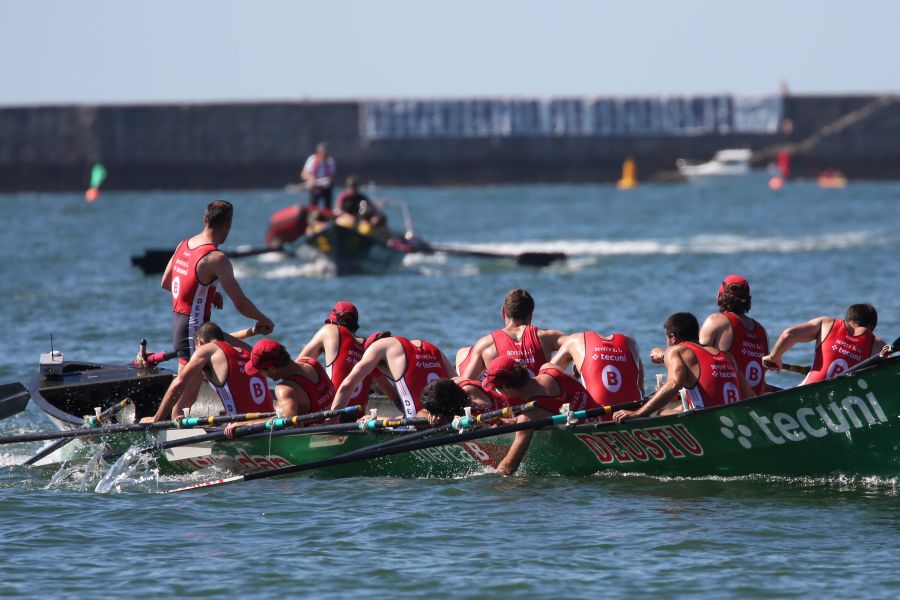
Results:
[709, 375]
[337, 340]
[221, 359]
[407, 364]
[551, 388]
[840, 344]
[733, 331]
[519, 339]
[610, 366]
[192, 274]
[303, 386]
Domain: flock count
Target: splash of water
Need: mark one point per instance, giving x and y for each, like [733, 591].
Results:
[80, 475]
[134, 469]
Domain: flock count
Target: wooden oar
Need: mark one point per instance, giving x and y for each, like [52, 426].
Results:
[801, 369]
[378, 452]
[155, 260]
[89, 422]
[262, 428]
[531, 259]
[13, 399]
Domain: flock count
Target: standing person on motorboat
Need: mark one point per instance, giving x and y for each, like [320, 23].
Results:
[191, 276]
[337, 340]
[318, 175]
[550, 388]
[710, 376]
[221, 359]
[408, 364]
[610, 366]
[529, 345]
[733, 331]
[840, 344]
[303, 385]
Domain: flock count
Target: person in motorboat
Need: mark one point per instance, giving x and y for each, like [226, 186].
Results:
[733, 331]
[610, 366]
[337, 340]
[709, 375]
[840, 343]
[222, 360]
[288, 225]
[409, 365]
[192, 275]
[529, 345]
[303, 386]
[551, 388]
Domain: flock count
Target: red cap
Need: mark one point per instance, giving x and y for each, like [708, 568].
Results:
[342, 308]
[375, 337]
[735, 285]
[502, 370]
[265, 354]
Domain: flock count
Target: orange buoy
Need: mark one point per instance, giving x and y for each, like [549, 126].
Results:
[92, 194]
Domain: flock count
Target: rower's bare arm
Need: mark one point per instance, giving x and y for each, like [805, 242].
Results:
[236, 338]
[677, 374]
[448, 366]
[387, 388]
[552, 340]
[313, 347]
[635, 353]
[880, 347]
[563, 356]
[291, 401]
[166, 282]
[713, 328]
[225, 273]
[183, 390]
[476, 362]
[371, 357]
[796, 334]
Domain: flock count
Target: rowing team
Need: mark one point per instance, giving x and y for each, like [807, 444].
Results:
[720, 363]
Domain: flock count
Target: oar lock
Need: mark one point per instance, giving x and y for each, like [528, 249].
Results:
[571, 419]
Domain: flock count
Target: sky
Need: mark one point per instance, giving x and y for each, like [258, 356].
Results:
[120, 51]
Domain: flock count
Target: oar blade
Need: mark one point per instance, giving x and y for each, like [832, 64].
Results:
[539, 259]
[13, 399]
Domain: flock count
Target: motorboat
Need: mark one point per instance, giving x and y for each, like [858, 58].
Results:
[725, 163]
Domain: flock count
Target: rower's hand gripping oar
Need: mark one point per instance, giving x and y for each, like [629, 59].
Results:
[801, 369]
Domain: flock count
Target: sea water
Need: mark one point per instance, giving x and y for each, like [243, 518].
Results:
[635, 257]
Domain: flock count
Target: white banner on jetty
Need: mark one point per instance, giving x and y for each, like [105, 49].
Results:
[570, 117]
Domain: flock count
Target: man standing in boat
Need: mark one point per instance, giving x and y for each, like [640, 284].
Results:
[519, 339]
[303, 386]
[550, 388]
[408, 364]
[318, 175]
[192, 274]
[610, 366]
[840, 344]
[733, 331]
[709, 375]
[221, 359]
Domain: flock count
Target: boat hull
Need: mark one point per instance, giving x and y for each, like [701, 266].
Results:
[351, 252]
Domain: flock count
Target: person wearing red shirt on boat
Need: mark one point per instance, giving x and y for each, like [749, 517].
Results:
[443, 399]
[409, 365]
[337, 340]
[840, 344]
[610, 366]
[709, 375]
[303, 386]
[518, 339]
[318, 175]
[221, 359]
[551, 388]
[191, 277]
[733, 331]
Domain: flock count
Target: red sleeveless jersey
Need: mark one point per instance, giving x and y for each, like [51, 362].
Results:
[609, 370]
[747, 348]
[526, 350]
[189, 296]
[423, 365]
[718, 382]
[571, 393]
[241, 393]
[320, 394]
[497, 399]
[839, 351]
[350, 352]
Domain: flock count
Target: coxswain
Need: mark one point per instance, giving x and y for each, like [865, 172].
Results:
[551, 388]
[221, 359]
[840, 343]
[192, 274]
[409, 365]
[610, 366]
[733, 331]
[318, 174]
[709, 375]
[303, 386]
[519, 339]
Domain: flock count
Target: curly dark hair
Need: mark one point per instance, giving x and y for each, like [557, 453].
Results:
[864, 314]
[444, 398]
[735, 304]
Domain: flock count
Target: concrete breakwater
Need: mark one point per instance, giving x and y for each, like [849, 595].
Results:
[244, 145]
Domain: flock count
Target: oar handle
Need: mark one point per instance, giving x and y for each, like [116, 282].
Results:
[97, 420]
[803, 370]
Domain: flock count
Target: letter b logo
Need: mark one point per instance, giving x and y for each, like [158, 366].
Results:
[612, 378]
[257, 390]
[730, 393]
[753, 373]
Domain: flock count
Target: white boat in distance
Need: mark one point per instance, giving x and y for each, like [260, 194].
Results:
[731, 162]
